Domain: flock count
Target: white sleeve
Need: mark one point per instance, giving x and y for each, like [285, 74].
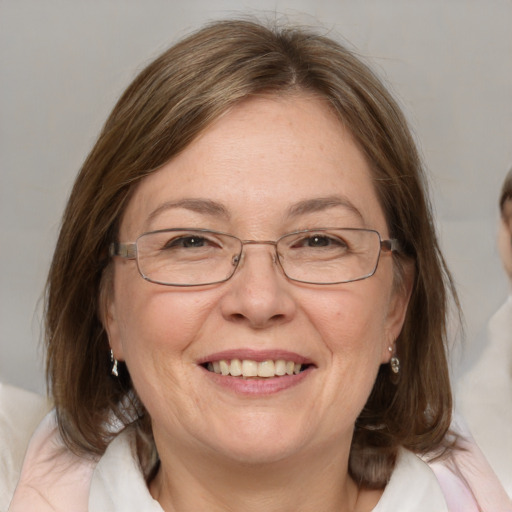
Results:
[20, 413]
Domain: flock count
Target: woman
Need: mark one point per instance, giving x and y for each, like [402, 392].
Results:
[485, 392]
[246, 306]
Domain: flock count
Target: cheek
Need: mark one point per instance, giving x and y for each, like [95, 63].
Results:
[162, 321]
[351, 321]
[152, 320]
[352, 328]
[156, 332]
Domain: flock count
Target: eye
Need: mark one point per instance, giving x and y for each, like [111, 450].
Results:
[186, 242]
[190, 241]
[320, 241]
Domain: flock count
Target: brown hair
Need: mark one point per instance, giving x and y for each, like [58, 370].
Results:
[168, 104]
[506, 191]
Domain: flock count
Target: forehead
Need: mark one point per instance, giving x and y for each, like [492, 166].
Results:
[259, 160]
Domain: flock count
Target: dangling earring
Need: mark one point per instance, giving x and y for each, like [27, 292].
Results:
[394, 363]
[113, 360]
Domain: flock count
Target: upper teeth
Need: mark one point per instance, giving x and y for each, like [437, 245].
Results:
[249, 368]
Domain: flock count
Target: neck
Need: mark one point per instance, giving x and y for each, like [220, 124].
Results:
[197, 480]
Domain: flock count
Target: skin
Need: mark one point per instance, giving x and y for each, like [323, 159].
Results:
[221, 449]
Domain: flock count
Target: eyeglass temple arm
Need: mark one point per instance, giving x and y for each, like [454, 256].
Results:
[128, 251]
[390, 245]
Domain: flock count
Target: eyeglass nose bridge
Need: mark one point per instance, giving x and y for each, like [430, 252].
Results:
[237, 259]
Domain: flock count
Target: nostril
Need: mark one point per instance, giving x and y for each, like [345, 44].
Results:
[237, 317]
[256, 322]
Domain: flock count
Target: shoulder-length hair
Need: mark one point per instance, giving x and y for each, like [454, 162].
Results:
[168, 104]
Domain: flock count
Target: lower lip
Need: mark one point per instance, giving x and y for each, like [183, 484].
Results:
[258, 386]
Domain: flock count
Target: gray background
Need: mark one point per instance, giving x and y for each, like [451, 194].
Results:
[64, 63]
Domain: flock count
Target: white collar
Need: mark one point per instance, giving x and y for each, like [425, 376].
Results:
[118, 484]
[413, 487]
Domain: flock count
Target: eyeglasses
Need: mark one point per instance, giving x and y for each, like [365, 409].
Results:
[195, 257]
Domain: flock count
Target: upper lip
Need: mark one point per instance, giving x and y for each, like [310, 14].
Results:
[255, 355]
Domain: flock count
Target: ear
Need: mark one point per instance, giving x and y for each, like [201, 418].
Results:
[397, 308]
[107, 312]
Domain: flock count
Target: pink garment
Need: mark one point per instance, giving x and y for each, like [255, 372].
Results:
[467, 478]
[20, 413]
[52, 477]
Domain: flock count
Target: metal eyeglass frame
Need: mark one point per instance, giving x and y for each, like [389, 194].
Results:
[128, 250]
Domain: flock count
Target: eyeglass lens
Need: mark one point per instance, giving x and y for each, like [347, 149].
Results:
[199, 257]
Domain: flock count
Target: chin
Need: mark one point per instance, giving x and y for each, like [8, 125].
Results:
[259, 442]
[260, 454]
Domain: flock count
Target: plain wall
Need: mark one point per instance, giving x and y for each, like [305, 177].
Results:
[64, 63]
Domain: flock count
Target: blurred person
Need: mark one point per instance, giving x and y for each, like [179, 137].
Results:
[485, 391]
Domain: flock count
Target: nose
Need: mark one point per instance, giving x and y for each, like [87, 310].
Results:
[259, 293]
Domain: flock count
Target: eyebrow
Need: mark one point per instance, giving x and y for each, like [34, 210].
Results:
[213, 208]
[321, 204]
[203, 206]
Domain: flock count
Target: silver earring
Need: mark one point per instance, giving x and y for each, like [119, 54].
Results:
[394, 362]
[113, 360]
[395, 365]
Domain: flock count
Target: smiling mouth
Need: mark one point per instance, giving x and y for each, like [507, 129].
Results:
[247, 368]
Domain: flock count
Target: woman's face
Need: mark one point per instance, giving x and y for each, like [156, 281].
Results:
[268, 167]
